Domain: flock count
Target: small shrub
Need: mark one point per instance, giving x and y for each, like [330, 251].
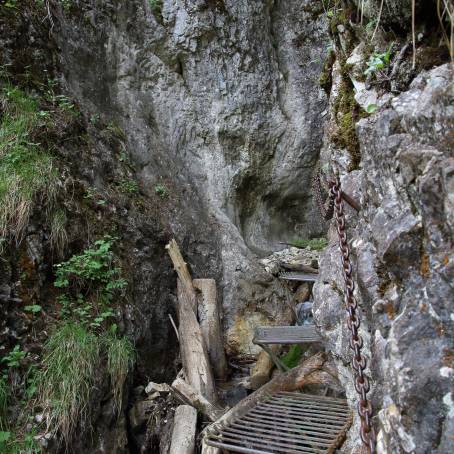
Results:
[90, 280]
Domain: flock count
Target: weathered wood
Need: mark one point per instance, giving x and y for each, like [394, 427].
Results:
[308, 373]
[194, 354]
[184, 430]
[209, 449]
[210, 325]
[179, 264]
[299, 277]
[260, 374]
[286, 335]
[188, 395]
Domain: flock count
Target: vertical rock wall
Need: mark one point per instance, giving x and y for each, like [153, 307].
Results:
[402, 247]
[220, 101]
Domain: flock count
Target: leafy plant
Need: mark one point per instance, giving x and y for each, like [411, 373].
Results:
[316, 244]
[371, 108]
[93, 272]
[161, 190]
[34, 308]
[378, 61]
[14, 357]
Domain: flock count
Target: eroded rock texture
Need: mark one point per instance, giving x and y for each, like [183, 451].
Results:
[402, 247]
[220, 102]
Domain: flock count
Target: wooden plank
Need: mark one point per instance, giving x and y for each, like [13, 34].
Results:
[286, 335]
[302, 277]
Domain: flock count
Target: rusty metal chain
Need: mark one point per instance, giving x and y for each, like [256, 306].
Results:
[326, 209]
[359, 362]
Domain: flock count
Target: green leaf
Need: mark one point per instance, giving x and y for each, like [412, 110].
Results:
[34, 308]
[4, 436]
[371, 108]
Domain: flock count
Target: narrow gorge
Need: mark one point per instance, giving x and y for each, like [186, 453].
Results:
[125, 125]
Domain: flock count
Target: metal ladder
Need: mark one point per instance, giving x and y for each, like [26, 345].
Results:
[286, 422]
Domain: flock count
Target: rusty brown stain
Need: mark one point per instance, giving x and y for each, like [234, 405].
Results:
[389, 309]
[425, 270]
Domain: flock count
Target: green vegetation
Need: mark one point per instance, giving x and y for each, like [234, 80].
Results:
[4, 395]
[68, 375]
[14, 357]
[70, 369]
[161, 190]
[34, 308]
[90, 280]
[316, 244]
[128, 186]
[378, 61]
[293, 357]
[26, 169]
[58, 236]
[120, 358]
[156, 7]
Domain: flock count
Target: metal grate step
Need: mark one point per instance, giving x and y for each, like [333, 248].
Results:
[286, 335]
[287, 422]
[296, 276]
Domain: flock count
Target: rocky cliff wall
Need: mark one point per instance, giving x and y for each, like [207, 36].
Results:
[221, 101]
[401, 242]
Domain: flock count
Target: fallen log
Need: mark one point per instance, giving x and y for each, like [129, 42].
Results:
[210, 325]
[193, 352]
[184, 430]
[308, 373]
[188, 395]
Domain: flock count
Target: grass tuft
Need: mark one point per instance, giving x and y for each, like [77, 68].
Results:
[26, 170]
[293, 357]
[65, 383]
[4, 395]
[120, 358]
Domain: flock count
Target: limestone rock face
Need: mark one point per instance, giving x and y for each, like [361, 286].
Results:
[219, 102]
[402, 251]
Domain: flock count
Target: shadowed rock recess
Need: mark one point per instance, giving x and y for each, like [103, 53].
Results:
[205, 121]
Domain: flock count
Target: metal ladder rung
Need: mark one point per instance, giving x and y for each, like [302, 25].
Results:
[261, 432]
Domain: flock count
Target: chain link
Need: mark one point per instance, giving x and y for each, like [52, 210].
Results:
[359, 362]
